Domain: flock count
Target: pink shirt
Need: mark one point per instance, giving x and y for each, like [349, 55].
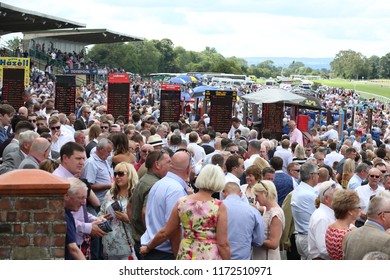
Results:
[296, 136]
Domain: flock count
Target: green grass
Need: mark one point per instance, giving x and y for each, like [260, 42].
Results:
[379, 87]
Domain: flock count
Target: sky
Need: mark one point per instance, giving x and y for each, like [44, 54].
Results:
[240, 28]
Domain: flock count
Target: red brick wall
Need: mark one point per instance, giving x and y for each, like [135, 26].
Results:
[32, 217]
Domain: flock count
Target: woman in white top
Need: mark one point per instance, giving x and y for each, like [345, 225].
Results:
[273, 218]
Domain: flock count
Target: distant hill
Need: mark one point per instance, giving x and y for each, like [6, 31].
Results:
[315, 63]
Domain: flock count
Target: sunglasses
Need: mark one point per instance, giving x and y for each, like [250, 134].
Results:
[120, 173]
[333, 186]
[234, 152]
[296, 170]
[55, 128]
[32, 121]
[145, 151]
[162, 151]
[104, 127]
[383, 212]
[374, 176]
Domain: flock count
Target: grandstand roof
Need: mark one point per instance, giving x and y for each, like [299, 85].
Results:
[14, 19]
[84, 36]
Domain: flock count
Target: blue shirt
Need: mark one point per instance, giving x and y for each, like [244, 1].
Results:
[163, 196]
[303, 206]
[98, 171]
[245, 227]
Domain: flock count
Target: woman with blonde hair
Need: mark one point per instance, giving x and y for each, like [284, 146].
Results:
[118, 244]
[261, 163]
[203, 219]
[299, 154]
[348, 172]
[273, 218]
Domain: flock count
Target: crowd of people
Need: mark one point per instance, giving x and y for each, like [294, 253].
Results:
[145, 189]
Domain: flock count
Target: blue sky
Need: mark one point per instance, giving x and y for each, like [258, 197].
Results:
[245, 28]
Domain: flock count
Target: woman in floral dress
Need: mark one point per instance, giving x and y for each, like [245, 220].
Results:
[118, 244]
[203, 218]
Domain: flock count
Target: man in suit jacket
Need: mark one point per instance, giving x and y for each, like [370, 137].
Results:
[372, 236]
[12, 160]
[82, 122]
[39, 151]
[283, 182]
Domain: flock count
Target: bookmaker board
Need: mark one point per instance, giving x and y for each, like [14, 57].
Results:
[170, 103]
[14, 78]
[221, 108]
[65, 93]
[118, 96]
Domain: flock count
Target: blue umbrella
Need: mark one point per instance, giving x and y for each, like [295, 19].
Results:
[185, 96]
[199, 91]
[177, 80]
[186, 78]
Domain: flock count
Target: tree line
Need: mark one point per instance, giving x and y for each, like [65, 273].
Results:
[161, 56]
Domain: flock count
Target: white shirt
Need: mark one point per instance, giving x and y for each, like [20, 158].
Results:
[322, 217]
[287, 157]
[199, 152]
[365, 192]
[330, 134]
[332, 157]
[248, 162]
[232, 130]
[63, 139]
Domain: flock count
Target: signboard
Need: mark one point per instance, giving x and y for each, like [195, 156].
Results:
[118, 95]
[221, 108]
[14, 77]
[87, 71]
[65, 94]
[273, 118]
[170, 103]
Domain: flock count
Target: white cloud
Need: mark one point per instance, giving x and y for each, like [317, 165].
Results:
[246, 28]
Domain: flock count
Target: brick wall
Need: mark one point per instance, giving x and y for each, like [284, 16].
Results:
[32, 218]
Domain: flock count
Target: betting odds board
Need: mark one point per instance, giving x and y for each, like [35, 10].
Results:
[221, 108]
[14, 78]
[65, 95]
[170, 103]
[118, 95]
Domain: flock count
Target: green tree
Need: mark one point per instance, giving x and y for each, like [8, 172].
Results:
[384, 66]
[349, 65]
[167, 58]
[14, 43]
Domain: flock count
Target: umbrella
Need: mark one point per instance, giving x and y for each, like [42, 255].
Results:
[272, 95]
[312, 102]
[185, 96]
[177, 80]
[185, 78]
[199, 91]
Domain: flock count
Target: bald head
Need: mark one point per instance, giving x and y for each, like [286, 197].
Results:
[181, 164]
[323, 174]
[231, 188]
[40, 148]
[206, 138]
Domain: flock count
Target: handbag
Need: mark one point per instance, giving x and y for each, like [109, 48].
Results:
[130, 257]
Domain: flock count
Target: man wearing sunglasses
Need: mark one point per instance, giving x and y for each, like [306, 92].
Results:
[58, 138]
[366, 191]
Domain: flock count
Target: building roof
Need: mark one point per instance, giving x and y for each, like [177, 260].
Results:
[84, 36]
[14, 19]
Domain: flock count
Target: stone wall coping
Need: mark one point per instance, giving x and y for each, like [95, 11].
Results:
[32, 182]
